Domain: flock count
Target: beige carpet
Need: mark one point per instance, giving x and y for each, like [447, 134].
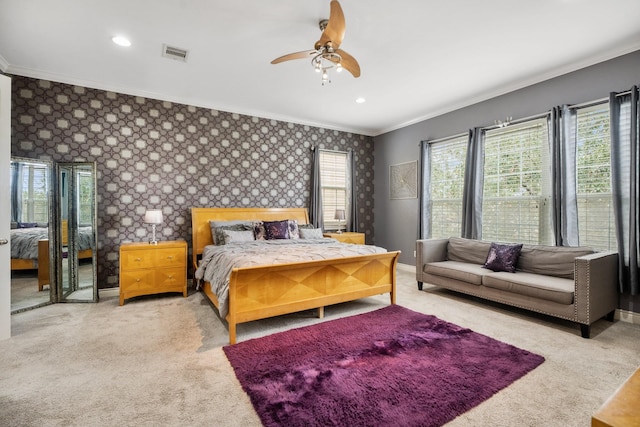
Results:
[157, 361]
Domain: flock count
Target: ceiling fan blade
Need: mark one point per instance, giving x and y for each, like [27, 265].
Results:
[349, 63]
[334, 32]
[297, 55]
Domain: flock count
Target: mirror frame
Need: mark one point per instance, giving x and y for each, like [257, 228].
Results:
[53, 286]
[58, 253]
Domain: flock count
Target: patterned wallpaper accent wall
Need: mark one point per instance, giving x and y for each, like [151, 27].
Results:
[158, 154]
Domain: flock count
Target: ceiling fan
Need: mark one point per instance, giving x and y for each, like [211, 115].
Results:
[327, 53]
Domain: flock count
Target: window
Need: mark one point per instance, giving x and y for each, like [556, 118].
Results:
[516, 189]
[32, 191]
[447, 182]
[596, 223]
[334, 186]
[85, 198]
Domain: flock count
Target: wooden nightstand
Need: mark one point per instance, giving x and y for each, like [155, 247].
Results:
[147, 269]
[347, 237]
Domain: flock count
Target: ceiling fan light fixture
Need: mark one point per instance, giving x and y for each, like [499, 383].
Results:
[326, 53]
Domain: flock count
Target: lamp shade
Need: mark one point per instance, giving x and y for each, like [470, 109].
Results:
[339, 214]
[153, 216]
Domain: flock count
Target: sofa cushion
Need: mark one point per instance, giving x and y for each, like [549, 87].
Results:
[555, 261]
[503, 257]
[467, 250]
[465, 272]
[548, 288]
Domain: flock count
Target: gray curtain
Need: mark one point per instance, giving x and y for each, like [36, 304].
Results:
[16, 192]
[473, 181]
[315, 202]
[562, 123]
[352, 196]
[424, 223]
[624, 179]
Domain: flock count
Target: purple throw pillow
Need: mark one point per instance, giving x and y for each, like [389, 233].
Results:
[503, 257]
[276, 229]
[27, 224]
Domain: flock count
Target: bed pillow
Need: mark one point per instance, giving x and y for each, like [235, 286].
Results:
[27, 224]
[259, 232]
[218, 226]
[294, 231]
[311, 233]
[276, 229]
[234, 236]
[503, 257]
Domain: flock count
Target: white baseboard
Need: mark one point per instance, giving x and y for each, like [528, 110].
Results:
[406, 267]
[109, 292]
[627, 316]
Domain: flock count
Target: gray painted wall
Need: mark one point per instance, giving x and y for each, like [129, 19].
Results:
[396, 221]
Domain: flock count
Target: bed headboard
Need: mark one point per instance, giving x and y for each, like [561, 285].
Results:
[200, 217]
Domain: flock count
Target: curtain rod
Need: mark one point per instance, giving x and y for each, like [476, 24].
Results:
[537, 116]
[444, 138]
[517, 121]
[313, 148]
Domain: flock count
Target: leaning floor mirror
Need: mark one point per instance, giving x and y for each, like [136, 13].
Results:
[31, 232]
[76, 236]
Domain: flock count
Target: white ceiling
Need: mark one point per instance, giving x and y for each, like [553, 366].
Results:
[419, 58]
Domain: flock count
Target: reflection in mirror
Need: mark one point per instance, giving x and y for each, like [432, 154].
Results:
[31, 253]
[76, 241]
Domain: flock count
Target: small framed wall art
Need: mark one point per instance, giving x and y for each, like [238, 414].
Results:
[403, 180]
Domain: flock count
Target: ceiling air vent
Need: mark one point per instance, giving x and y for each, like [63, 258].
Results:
[175, 53]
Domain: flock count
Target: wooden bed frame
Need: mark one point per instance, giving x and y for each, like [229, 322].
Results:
[265, 291]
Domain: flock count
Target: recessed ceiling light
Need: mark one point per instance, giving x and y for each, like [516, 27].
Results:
[361, 100]
[121, 41]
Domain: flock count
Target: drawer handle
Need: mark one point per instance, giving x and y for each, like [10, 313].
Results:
[170, 257]
[137, 280]
[138, 259]
[171, 276]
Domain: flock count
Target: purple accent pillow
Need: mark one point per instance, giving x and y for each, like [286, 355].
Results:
[503, 257]
[276, 229]
[27, 224]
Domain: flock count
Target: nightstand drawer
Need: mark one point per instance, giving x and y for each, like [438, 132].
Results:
[347, 237]
[170, 277]
[137, 280]
[132, 260]
[169, 257]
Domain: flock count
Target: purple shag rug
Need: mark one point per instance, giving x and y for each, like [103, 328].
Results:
[388, 367]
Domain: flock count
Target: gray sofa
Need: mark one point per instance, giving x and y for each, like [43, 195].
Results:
[576, 284]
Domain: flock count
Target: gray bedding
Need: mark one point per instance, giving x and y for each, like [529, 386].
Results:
[218, 261]
[24, 241]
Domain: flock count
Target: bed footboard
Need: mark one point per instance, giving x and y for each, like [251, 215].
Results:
[267, 291]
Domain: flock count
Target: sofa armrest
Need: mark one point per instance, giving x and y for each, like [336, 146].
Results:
[429, 250]
[596, 286]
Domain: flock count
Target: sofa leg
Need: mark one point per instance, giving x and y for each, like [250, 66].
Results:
[610, 316]
[419, 286]
[585, 330]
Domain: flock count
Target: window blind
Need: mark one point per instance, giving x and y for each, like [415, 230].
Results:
[35, 190]
[516, 188]
[447, 183]
[596, 223]
[333, 179]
